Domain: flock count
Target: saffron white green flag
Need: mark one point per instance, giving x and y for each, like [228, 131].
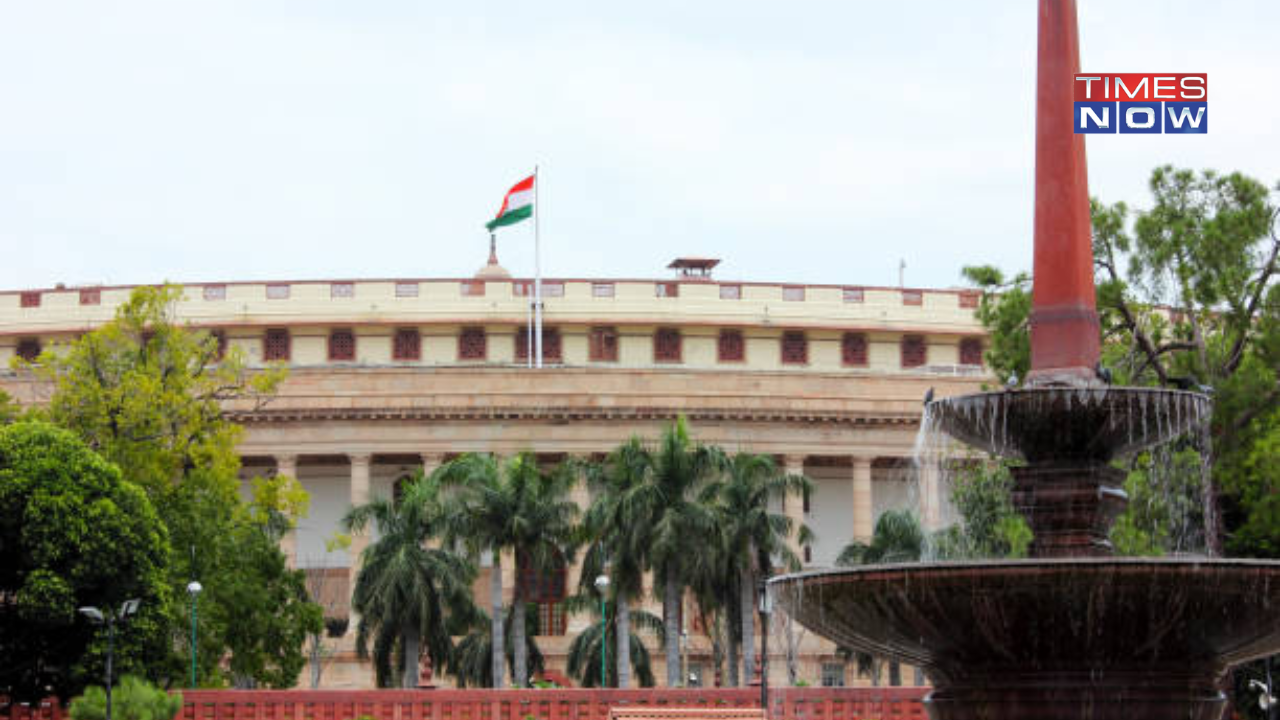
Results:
[516, 206]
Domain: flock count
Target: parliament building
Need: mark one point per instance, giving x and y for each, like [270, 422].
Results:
[390, 376]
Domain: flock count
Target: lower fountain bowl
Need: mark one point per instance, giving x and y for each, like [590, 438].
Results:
[1080, 638]
[1070, 423]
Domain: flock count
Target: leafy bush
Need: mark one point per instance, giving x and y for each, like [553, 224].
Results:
[132, 699]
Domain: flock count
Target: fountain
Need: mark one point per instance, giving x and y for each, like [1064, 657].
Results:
[1072, 632]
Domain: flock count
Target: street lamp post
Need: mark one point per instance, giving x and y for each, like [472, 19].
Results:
[602, 585]
[766, 607]
[109, 619]
[193, 589]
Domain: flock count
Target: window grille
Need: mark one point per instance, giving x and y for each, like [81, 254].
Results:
[406, 289]
[914, 351]
[969, 300]
[731, 347]
[342, 290]
[730, 292]
[472, 344]
[407, 345]
[91, 296]
[971, 351]
[342, 345]
[666, 345]
[30, 299]
[793, 293]
[278, 291]
[602, 290]
[551, 347]
[795, 348]
[854, 295]
[912, 297]
[666, 289]
[472, 288]
[853, 349]
[603, 344]
[832, 674]
[275, 345]
[215, 292]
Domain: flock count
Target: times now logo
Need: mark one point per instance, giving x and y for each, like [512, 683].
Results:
[1141, 103]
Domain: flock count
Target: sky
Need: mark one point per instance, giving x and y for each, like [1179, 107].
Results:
[818, 142]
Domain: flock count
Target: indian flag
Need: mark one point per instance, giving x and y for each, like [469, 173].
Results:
[516, 206]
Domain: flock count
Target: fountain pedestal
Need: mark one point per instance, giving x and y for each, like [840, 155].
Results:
[1069, 507]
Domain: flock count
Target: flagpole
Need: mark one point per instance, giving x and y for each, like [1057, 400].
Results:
[537, 276]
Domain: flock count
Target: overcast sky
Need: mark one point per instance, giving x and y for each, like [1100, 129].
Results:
[800, 141]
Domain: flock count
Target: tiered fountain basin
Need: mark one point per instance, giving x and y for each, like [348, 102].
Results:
[1053, 638]
[1073, 632]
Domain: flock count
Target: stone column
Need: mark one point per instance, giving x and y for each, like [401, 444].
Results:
[359, 495]
[794, 505]
[287, 465]
[431, 462]
[863, 505]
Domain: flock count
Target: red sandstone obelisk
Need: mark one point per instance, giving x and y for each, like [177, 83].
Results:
[1064, 315]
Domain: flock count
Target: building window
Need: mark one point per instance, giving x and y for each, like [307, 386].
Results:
[550, 344]
[603, 344]
[602, 290]
[278, 291]
[731, 347]
[808, 554]
[275, 345]
[342, 290]
[832, 674]
[969, 300]
[472, 344]
[795, 348]
[220, 343]
[793, 293]
[666, 345]
[407, 345]
[215, 292]
[914, 351]
[91, 296]
[342, 345]
[472, 288]
[854, 295]
[30, 299]
[522, 288]
[971, 351]
[406, 289]
[853, 349]
[730, 292]
[28, 349]
[552, 289]
[547, 589]
[912, 297]
[666, 289]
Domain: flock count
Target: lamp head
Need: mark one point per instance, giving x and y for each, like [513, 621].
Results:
[602, 582]
[93, 614]
[194, 587]
[129, 608]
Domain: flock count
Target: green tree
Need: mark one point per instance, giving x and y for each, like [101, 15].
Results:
[9, 409]
[752, 535]
[73, 534]
[898, 537]
[407, 593]
[511, 506]
[148, 395]
[1187, 297]
[616, 544]
[583, 662]
[472, 661]
[669, 506]
[132, 699]
[989, 526]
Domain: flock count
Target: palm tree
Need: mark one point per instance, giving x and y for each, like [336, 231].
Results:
[617, 542]
[751, 535]
[674, 521]
[898, 537]
[473, 655]
[584, 652]
[513, 506]
[714, 585]
[405, 591]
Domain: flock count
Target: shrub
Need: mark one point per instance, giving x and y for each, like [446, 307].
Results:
[132, 699]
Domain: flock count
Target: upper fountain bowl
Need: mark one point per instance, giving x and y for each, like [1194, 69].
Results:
[1061, 423]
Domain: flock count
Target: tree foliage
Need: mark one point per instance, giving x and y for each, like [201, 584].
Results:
[1187, 298]
[73, 534]
[131, 699]
[411, 597]
[148, 394]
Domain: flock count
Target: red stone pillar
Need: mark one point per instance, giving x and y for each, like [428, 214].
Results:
[1064, 316]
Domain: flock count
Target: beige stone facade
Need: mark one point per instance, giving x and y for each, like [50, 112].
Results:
[391, 376]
